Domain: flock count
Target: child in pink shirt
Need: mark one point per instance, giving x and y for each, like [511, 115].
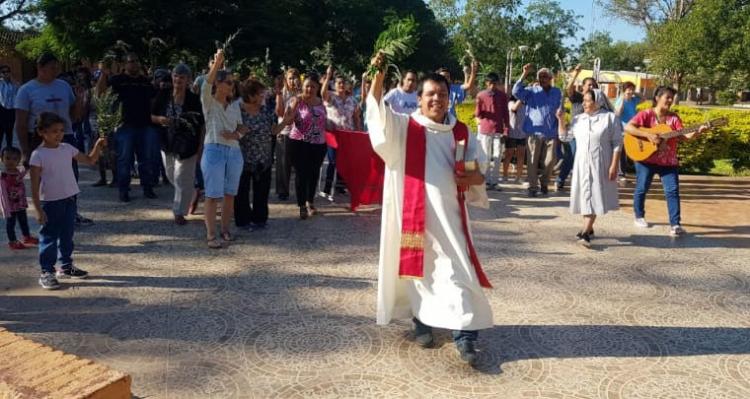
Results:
[13, 199]
[54, 190]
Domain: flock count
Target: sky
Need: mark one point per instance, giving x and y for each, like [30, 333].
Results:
[593, 14]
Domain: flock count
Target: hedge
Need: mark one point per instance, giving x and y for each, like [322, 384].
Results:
[730, 142]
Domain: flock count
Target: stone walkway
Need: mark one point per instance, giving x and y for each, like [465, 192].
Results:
[289, 312]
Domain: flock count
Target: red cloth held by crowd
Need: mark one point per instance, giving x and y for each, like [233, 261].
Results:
[359, 166]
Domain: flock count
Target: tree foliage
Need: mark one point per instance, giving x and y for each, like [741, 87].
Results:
[290, 29]
[710, 46]
[647, 13]
[615, 56]
[493, 27]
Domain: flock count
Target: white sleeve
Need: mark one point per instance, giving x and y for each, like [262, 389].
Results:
[477, 194]
[387, 130]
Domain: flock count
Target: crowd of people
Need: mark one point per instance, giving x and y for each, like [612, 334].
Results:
[222, 138]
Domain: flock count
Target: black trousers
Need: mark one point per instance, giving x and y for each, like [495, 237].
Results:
[7, 121]
[10, 225]
[259, 182]
[306, 160]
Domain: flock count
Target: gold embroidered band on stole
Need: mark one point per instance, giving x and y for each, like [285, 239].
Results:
[412, 240]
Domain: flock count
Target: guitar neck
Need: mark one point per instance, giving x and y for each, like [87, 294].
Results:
[681, 132]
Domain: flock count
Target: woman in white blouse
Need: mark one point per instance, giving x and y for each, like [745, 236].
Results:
[598, 135]
[222, 161]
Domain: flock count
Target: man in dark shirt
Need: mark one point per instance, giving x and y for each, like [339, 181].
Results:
[136, 136]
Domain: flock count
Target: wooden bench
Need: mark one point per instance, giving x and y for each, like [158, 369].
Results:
[32, 370]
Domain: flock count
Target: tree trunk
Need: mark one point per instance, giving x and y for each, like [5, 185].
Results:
[677, 81]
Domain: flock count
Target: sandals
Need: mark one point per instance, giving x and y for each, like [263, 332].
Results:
[311, 210]
[227, 236]
[213, 243]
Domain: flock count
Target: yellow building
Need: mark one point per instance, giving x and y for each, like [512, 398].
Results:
[610, 82]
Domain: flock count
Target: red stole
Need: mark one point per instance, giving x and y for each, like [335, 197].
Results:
[411, 264]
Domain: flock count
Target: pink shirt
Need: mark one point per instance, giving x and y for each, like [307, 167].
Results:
[492, 111]
[309, 124]
[667, 157]
[57, 179]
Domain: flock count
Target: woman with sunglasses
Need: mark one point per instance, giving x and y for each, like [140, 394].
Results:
[307, 143]
[222, 161]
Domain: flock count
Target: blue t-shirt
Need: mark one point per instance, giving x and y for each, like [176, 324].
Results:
[457, 96]
[629, 109]
[56, 97]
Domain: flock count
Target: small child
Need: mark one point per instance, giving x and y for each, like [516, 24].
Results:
[13, 199]
[54, 190]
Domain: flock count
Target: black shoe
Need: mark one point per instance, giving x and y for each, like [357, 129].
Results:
[149, 193]
[560, 187]
[83, 221]
[544, 191]
[467, 351]
[100, 183]
[532, 193]
[303, 212]
[71, 272]
[584, 240]
[283, 197]
[124, 196]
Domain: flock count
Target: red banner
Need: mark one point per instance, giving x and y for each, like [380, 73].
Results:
[359, 166]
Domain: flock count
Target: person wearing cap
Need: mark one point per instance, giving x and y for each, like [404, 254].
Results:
[458, 91]
[178, 115]
[542, 102]
[8, 90]
[136, 135]
[493, 123]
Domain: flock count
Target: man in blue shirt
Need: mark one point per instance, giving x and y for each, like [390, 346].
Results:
[542, 103]
[458, 91]
[8, 89]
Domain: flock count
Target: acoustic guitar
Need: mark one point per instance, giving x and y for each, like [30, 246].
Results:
[639, 148]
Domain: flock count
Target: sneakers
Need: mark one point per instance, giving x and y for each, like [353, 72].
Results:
[641, 222]
[15, 245]
[48, 281]
[676, 231]
[30, 240]
[71, 272]
[467, 351]
[83, 221]
[584, 239]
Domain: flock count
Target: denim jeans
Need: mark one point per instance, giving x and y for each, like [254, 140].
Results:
[566, 151]
[143, 142]
[458, 335]
[56, 236]
[644, 175]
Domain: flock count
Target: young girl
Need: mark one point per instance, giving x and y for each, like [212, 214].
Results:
[13, 199]
[54, 190]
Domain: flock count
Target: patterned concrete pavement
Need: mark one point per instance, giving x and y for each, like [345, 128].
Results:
[289, 312]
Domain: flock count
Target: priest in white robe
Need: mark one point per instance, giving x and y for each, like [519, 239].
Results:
[428, 267]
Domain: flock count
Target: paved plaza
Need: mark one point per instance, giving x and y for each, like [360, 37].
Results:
[289, 312]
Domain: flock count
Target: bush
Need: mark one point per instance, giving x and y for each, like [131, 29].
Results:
[730, 142]
[726, 97]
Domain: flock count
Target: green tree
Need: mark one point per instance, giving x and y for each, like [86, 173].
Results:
[493, 27]
[710, 46]
[289, 28]
[617, 56]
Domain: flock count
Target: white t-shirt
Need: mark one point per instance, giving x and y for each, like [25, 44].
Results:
[401, 102]
[57, 178]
